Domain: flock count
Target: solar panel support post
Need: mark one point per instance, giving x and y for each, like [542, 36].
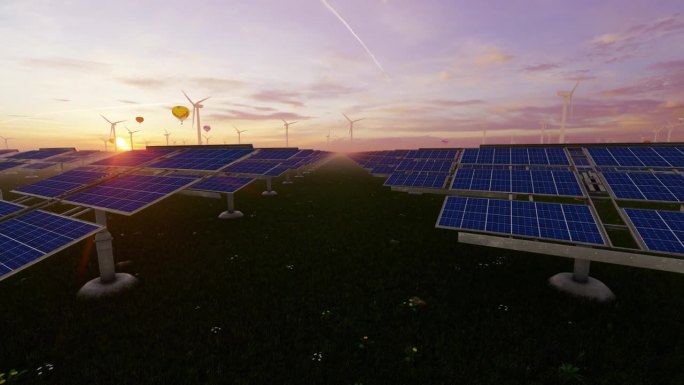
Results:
[268, 188]
[287, 177]
[231, 213]
[580, 272]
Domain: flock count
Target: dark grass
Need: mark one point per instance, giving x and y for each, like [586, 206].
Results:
[315, 269]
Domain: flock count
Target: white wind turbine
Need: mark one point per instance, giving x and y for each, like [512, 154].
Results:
[655, 134]
[484, 133]
[112, 130]
[287, 130]
[567, 98]
[6, 139]
[206, 139]
[238, 132]
[105, 140]
[167, 134]
[544, 125]
[196, 109]
[351, 126]
[130, 133]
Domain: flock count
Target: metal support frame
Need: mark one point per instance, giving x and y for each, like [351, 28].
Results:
[269, 191]
[287, 177]
[231, 213]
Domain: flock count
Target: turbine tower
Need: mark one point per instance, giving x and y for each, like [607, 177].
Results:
[351, 126]
[238, 132]
[544, 125]
[167, 134]
[131, 135]
[5, 139]
[484, 133]
[287, 130]
[567, 98]
[327, 138]
[105, 140]
[112, 130]
[196, 109]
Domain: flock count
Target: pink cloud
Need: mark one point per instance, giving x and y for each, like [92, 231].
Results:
[540, 67]
[230, 114]
[282, 97]
[63, 63]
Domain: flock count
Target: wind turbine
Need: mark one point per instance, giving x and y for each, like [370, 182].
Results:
[327, 138]
[206, 138]
[544, 125]
[567, 97]
[112, 130]
[351, 126]
[287, 129]
[5, 139]
[131, 135]
[196, 108]
[238, 132]
[655, 134]
[105, 140]
[484, 133]
[167, 134]
[147, 142]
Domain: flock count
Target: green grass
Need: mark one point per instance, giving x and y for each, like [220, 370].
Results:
[314, 270]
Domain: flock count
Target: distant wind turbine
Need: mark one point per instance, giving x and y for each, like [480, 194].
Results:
[131, 135]
[327, 138]
[147, 142]
[167, 134]
[351, 126]
[105, 140]
[287, 132]
[112, 130]
[5, 139]
[484, 133]
[206, 139]
[196, 109]
[655, 134]
[567, 98]
[238, 132]
[544, 124]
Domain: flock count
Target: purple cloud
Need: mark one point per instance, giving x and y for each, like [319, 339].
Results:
[63, 63]
[282, 97]
[539, 67]
[146, 83]
[230, 114]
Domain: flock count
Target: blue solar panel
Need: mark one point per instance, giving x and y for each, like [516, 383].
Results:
[515, 155]
[425, 165]
[250, 167]
[209, 159]
[8, 165]
[132, 158]
[129, 194]
[40, 154]
[7, 152]
[666, 187]
[554, 221]
[424, 180]
[37, 234]
[276, 171]
[444, 154]
[383, 169]
[537, 181]
[274, 154]
[61, 184]
[638, 156]
[660, 230]
[38, 166]
[7, 208]
[226, 184]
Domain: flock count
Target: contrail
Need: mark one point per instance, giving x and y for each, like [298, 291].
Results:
[377, 63]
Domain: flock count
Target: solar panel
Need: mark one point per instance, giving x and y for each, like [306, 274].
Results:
[129, 194]
[666, 187]
[209, 159]
[38, 166]
[276, 171]
[383, 169]
[7, 165]
[537, 181]
[553, 221]
[132, 158]
[7, 208]
[40, 154]
[274, 154]
[74, 156]
[250, 167]
[445, 154]
[30, 237]
[61, 184]
[425, 165]
[226, 184]
[515, 155]
[418, 179]
[659, 229]
[7, 152]
[638, 156]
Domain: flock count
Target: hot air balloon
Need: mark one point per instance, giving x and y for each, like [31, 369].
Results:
[111, 140]
[180, 112]
[139, 119]
[206, 128]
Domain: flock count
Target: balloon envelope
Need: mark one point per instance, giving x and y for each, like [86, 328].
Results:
[180, 112]
[139, 119]
[206, 128]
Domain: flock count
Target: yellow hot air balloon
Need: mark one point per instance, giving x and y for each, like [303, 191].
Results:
[180, 112]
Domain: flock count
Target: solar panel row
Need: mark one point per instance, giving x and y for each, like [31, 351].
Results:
[554, 221]
[445, 154]
[250, 167]
[226, 184]
[425, 165]
[7, 208]
[132, 158]
[418, 179]
[506, 155]
[40, 154]
[659, 229]
[274, 154]
[210, 159]
[61, 184]
[666, 187]
[517, 181]
[656, 156]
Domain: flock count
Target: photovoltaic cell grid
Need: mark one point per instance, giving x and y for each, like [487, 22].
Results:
[659, 229]
[250, 167]
[131, 158]
[545, 182]
[666, 187]
[61, 184]
[26, 238]
[38, 166]
[553, 221]
[425, 165]
[383, 169]
[506, 155]
[7, 152]
[276, 171]
[274, 154]
[418, 179]
[210, 159]
[226, 184]
[446, 154]
[129, 194]
[39, 154]
[7, 208]
[8, 165]
[74, 156]
[665, 156]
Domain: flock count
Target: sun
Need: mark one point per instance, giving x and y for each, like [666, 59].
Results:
[121, 144]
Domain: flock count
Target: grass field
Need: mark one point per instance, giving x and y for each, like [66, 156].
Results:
[313, 286]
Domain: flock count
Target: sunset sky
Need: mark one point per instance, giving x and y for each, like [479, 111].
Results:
[435, 70]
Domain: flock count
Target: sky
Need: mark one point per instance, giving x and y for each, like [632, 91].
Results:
[429, 73]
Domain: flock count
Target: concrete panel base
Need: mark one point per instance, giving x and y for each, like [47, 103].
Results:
[269, 193]
[233, 215]
[287, 182]
[95, 289]
[592, 289]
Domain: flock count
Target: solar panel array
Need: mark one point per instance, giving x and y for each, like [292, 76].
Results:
[9, 164]
[417, 179]
[61, 184]
[220, 183]
[5, 152]
[425, 165]
[429, 153]
[660, 230]
[209, 159]
[129, 194]
[38, 166]
[274, 154]
[515, 155]
[40, 154]
[132, 158]
[7, 208]
[638, 156]
[77, 155]
[250, 167]
[545, 182]
[666, 187]
[553, 221]
[37, 234]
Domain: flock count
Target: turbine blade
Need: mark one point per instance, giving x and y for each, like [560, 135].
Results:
[343, 114]
[293, 122]
[120, 121]
[354, 121]
[573, 89]
[186, 95]
[204, 99]
[105, 119]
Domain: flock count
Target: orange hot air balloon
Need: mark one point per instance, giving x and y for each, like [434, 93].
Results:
[111, 140]
[206, 128]
[180, 112]
[139, 119]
